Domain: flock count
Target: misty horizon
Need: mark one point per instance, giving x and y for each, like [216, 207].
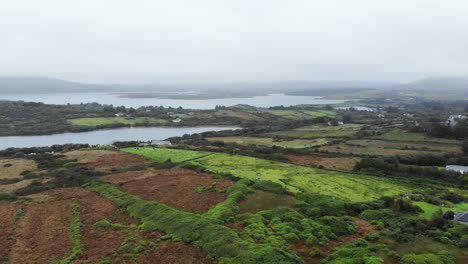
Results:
[115, 42]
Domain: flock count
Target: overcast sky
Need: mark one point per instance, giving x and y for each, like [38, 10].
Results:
[117, 41]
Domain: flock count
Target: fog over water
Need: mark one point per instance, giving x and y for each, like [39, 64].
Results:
[114, 99]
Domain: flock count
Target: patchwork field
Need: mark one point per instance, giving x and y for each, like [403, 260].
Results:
[42, 233]
[104, 160]
[12, 168]
[300, 114]
[386, 147]
[102, 121]
[332, 163]
[400, 135]
[296, 143]
[145, 214]
[294, 178]
[182, 189]
[318, 131]
[8, 213]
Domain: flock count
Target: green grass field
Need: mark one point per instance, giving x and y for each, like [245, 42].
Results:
[296, 143]
[101, 121]
[430, 209]
[298, 114]
[387, 148]
[400, 135]
[356, 188]
[318, 131]
[163, 154]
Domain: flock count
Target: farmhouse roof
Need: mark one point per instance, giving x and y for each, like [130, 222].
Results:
[462, 169]
[462, 217]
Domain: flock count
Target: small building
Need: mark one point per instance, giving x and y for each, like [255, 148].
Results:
[457, 168]
[453, 119]
[408, 115]
[461, 217]
[177, 120]
[161, 142]
[381, 116]
[119, 115]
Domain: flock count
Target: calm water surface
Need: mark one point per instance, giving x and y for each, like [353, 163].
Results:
[114, 99]
[103, 137]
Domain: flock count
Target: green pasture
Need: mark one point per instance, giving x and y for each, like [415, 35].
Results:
[164, 154]
[430, 209]
[102, 121]
[388, 148]
[317, 131]
[296, 143]
[299, 114]
[401, 135]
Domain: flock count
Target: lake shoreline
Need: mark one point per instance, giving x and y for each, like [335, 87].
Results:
[105, 136]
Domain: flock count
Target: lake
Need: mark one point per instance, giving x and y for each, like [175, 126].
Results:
[104, 137]
[114, 99]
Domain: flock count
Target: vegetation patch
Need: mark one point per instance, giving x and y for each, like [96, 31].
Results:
[103, 121]
[430, 209]
[401, 135]
[294, 178]
[177, 253]
[14, 168]
[179, 188]
[217, 240]
[318, 131]
[74, 235]
[301, 114]
[270, 142]
[10, 213]
[332, 163]
[44, 228]
[104, 160]
[261, 201]
[167, 154]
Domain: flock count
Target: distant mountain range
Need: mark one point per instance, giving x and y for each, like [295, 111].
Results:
[27, 85]
[22, 85]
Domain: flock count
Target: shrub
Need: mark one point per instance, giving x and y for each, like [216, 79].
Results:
[291, 238]
[315, 252]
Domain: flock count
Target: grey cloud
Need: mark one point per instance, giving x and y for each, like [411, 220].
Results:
[244, 40]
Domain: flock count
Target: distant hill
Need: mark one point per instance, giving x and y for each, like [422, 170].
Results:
[437, 84]
[22, 85]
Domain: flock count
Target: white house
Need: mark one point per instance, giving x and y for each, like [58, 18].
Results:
[457, 168]
[453, 119]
